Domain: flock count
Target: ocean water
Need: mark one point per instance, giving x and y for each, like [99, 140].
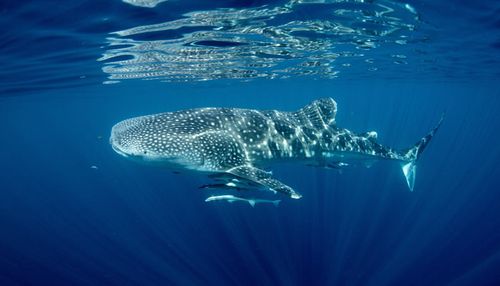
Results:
[73, 212]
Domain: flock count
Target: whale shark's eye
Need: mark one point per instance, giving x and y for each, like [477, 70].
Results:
[145, 152]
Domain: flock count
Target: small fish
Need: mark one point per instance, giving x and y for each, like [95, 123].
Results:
[231, 198]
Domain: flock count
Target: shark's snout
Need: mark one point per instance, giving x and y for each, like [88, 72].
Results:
[117, 147]
[124, 139]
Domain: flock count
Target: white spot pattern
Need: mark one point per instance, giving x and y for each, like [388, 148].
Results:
[216, 139]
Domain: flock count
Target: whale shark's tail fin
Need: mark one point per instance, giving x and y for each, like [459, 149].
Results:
[411, 155]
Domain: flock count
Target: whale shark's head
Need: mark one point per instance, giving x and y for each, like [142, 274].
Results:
[135, 139]
[156, 139]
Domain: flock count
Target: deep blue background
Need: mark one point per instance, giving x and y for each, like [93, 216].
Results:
[65, 223]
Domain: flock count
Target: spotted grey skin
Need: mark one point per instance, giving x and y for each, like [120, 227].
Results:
[233, 144]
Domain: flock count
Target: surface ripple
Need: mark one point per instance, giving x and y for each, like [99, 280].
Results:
[300, 37]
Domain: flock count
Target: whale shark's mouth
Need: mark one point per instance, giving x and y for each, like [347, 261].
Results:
[131, 151]
[117, 149]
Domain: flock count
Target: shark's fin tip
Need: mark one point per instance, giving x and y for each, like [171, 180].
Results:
[410, 172]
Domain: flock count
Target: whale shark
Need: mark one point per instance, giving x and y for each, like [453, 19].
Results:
[235, 147]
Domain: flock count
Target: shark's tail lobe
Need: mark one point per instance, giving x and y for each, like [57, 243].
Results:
[411, 155]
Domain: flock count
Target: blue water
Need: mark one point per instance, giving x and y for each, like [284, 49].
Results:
[73, 212]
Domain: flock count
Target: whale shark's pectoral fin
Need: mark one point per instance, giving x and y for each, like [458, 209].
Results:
[262, 178]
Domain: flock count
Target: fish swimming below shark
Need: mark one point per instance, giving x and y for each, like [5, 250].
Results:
[233, 146]
[232, 198]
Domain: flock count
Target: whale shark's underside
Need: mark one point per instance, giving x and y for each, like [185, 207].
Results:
[233, 146]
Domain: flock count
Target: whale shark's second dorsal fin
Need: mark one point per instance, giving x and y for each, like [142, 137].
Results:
[320, 113]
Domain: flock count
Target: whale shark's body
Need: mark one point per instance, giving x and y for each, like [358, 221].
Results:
[232, 145]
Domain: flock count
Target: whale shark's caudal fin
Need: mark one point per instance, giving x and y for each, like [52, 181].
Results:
[411, 156]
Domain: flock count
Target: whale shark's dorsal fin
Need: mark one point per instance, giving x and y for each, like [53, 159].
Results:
[321, 113]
